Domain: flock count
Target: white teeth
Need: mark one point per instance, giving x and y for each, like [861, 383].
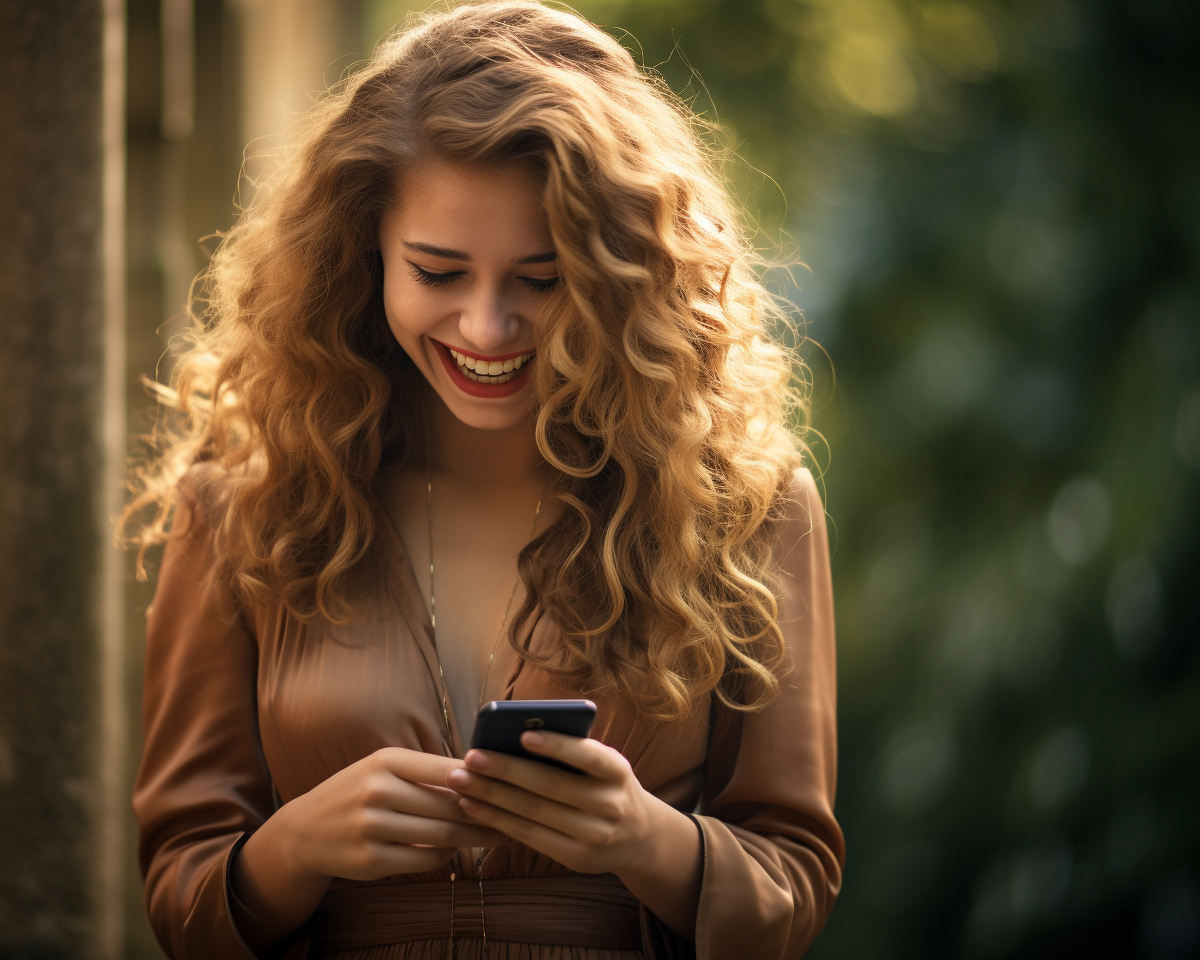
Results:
[490, 371]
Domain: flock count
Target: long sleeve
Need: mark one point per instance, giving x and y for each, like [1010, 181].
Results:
[203, 783]
[773, 852]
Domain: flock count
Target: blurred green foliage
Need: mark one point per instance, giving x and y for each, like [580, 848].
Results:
[998, 204]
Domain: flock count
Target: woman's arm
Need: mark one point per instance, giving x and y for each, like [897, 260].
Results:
[765, 865]
[773, 852]
[666, 877]
[361, 824]
[203, 785]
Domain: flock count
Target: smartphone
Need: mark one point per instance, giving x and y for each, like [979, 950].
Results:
[500, 724]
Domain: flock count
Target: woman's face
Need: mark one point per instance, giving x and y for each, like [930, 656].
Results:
[468, 264]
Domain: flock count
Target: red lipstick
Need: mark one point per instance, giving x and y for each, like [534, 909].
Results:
[490, 391]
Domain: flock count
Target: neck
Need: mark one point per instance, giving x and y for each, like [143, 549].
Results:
[493, 459]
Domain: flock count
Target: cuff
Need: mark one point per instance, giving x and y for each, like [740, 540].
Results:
[247, 923]
[660, 942]
[741, 901]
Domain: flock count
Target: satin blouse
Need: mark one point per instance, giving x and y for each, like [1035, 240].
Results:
[248, 707]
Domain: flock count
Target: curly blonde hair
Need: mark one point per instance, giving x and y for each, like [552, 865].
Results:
[660, 398]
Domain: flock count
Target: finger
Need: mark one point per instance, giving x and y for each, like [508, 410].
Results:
[390, 859]
[537, 777]
[563, 818]
[416, 766]
[531, 775]
[538, 836]
[385, 791]
[386, 826]
[438, 802]
[585, 754]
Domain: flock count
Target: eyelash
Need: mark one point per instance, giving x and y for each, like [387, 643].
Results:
[540, 286]
[433, 279]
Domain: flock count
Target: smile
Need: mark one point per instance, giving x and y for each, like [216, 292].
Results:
[490, 371]
[488, 378]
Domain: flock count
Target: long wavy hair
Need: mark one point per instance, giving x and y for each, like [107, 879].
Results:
[660, 398]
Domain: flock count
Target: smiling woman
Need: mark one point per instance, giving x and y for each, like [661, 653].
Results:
[488, 363]
[464, 299]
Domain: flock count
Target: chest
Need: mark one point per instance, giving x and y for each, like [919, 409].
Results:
[329, 694]
[463, 550]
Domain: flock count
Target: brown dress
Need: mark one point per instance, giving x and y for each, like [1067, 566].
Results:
[245, 711]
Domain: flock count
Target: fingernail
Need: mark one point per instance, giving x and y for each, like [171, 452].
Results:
[477, 760]
[467, 803]
[458, 778]
[532, 739]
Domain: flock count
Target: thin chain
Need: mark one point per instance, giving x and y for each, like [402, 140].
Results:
[487, 672]
[432, 594]
[482, 915]
[451, 915]
[433, 598]
[507, 608]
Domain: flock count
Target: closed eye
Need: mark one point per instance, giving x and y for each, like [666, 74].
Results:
[432, 278]
[540, 284]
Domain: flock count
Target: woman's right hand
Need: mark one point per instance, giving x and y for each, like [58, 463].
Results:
[387, 814]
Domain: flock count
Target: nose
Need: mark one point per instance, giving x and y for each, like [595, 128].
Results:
[488, 320]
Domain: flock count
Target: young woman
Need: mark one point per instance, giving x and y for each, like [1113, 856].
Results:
[484, 409]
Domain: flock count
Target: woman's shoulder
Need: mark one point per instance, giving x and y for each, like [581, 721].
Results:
[200, 560]
[801, 505]
[206, 487]
[799, 521]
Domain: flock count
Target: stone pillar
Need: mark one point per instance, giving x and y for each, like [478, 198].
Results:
[62, 796]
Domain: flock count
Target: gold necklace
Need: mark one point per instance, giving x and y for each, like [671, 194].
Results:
[433, 598]
[487, 672]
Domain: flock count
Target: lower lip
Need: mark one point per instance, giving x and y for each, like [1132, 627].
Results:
[474, 388]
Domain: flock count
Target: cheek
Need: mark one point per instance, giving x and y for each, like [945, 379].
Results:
[408, 311]
[537, 309]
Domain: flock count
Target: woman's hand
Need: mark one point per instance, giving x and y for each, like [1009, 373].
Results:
[600, 822]
[388, 813]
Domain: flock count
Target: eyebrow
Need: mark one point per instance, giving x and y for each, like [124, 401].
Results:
[448, 254]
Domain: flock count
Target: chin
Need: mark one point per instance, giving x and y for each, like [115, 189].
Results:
[484, 414]
[482, 408]
[489, 419]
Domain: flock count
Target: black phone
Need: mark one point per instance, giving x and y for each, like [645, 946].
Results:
[500, 724]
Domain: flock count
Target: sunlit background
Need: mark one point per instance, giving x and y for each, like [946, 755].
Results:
[993, 213]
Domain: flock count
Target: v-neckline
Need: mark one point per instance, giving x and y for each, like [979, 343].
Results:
[426, 639]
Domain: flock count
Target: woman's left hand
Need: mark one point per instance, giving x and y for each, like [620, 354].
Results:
[596, 823]
[599, 821]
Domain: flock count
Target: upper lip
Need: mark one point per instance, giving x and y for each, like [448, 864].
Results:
[481, 356]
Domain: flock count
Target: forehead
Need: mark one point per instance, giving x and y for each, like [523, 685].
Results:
[465, 205]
